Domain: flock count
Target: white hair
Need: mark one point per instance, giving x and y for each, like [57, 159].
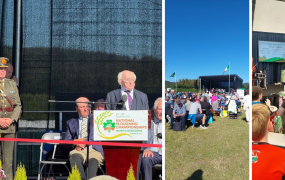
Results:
[156, 102]
[121, 74]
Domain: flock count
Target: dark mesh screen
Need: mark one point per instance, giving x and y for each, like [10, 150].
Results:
[79, 46]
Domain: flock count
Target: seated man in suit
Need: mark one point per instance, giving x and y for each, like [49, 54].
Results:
[152, 156]
[76, 130]
[179, 112]
[136, 100]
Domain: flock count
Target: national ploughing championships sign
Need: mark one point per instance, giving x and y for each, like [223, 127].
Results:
[119, 125]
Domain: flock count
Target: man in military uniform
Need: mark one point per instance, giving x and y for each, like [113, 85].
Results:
[10, 108]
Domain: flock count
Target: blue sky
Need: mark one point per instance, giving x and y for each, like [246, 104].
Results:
[202, 37]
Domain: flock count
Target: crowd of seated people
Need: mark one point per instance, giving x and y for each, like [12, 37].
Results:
[202, 105]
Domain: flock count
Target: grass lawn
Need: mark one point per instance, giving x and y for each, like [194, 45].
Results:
[219, 152]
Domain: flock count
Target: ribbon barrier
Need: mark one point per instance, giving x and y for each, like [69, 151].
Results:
[81, 142]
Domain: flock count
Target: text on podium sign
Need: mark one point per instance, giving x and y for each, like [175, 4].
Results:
[117, 125]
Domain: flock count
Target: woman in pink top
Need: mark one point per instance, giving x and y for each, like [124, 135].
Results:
[214, 97]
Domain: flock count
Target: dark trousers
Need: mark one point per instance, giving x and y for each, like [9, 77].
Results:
[78, 160]
[181, 118]
[147, 164]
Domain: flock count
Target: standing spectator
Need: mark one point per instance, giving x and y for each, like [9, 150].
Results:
[189, 95]
[247, 106]
[236, 94]
[223, 101]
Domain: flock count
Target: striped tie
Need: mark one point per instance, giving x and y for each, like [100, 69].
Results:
[83, 128]
[129, 99]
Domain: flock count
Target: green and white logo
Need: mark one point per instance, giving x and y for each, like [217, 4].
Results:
[255, 156]
[109, 126]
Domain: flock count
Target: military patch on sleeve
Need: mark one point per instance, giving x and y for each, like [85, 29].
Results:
[13, 91]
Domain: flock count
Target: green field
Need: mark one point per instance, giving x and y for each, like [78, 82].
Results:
[219, 152]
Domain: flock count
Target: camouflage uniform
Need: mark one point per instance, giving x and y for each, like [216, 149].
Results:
[11, 108]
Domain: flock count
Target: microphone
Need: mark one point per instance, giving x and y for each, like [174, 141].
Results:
[121, 103]
[159, 135]
[124, 98]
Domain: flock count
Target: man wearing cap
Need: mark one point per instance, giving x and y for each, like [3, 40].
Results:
[10, 108]
[197, 109]
[179, 112]
[136, 100]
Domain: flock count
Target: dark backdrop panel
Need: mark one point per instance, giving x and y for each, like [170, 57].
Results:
[265, 36]
[6, 28]
[75, 46]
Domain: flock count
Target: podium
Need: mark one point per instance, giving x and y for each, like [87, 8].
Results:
[124, 127]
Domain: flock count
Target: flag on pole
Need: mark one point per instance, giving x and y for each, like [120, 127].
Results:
[173, 75]
[228, 67]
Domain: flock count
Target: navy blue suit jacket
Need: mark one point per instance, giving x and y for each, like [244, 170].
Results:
[72, 132]
[140, 101]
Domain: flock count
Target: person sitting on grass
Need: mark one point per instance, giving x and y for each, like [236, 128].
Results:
[215, 107]
[268, 161]
[196, 109]
[179, 112]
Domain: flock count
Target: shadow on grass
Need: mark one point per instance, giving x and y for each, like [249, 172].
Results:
[197, 175]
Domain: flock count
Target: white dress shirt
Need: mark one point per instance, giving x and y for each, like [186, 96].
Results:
[131, 94]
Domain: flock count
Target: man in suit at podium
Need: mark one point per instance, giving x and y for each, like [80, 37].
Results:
[76, 130]
[136, 100]
[152, 156]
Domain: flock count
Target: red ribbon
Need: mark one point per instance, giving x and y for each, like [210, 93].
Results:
[81, 142]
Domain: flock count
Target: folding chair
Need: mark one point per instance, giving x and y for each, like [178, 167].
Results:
[53, 160]
[157, 171]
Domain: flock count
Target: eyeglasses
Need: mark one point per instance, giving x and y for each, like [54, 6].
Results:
[130, 80]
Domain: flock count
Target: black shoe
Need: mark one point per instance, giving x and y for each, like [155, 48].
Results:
[183, 129]
[170, 128]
